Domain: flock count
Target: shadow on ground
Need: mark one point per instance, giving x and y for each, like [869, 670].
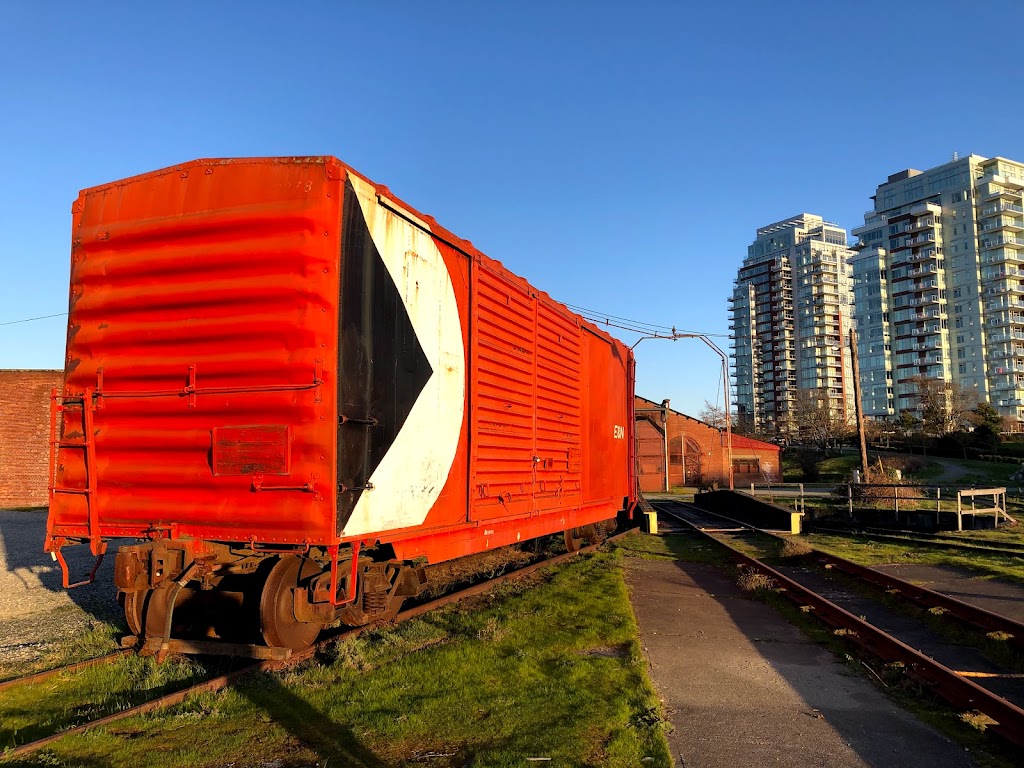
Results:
[333, 743]
[30, 580]
[870, 730]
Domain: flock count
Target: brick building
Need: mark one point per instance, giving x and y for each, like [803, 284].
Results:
[24, 436]
[696, 452]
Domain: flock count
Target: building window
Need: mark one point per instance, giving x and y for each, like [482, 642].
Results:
[746, 466]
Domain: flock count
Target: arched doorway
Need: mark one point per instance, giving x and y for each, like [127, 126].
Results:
[693, 462]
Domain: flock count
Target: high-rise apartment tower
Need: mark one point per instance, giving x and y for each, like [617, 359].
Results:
[940, 285]
[791, 313]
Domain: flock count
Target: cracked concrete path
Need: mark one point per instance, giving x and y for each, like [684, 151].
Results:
[742, 686]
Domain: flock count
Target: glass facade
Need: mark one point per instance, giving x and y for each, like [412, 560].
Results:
[940, 284]
[791, 308]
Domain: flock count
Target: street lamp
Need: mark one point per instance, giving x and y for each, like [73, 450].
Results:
[675, 336]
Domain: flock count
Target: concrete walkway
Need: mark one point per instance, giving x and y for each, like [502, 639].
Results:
[743, 687]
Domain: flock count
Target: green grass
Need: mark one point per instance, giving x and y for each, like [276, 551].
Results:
[838, 468]
[834, 469]
[866, 552]
[986, 473]
[99, 640]
[553, 669]
[978, 473]
[1007, 534]
[688, 547]
[29, 712]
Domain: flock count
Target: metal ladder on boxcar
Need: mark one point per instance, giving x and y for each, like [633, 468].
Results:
[63, 405]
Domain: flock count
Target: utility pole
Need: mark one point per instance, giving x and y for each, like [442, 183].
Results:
[858, 408]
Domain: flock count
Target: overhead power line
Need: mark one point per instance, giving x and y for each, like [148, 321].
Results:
[30, 320]
[634, 326]
[595, 316]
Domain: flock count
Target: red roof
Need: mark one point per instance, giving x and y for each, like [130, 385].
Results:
[742, 441]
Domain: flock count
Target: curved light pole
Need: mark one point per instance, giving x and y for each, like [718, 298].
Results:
[675, 336]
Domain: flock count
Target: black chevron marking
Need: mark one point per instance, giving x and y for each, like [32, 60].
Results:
[382, 367]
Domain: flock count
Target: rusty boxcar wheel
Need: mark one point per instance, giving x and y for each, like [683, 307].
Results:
[578, 537]
[133, 604]
[157, 603]
[573, 541]
[277, 617]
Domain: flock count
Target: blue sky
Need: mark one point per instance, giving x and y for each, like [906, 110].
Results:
[618, 155]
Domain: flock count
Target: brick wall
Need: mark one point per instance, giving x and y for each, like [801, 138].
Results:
[24, 435]
[698, 455]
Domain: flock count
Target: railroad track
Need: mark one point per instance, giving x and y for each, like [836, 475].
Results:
[927, 540]
[38, 677]
[233, 676]
[956, 688]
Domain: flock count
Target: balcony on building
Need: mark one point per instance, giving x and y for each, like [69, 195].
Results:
[991, 178]
[1002, 223]
[926, 268]
[923, 255]
[1001, 207]
[994, 191]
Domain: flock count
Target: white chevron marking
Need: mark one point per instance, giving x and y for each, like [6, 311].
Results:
[415, 468]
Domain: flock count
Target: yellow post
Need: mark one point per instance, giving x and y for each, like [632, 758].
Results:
[652, 521]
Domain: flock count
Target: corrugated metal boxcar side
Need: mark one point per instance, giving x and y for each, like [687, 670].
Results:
[278, 351]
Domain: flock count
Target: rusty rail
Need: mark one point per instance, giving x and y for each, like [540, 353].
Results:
[229, 678]
[970, 615]
[1005, 549]
[945, 682]
[74, 667]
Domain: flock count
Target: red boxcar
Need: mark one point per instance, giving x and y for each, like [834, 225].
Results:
[293, 388]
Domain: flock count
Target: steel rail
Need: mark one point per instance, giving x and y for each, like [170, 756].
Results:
[927, 541]
[36, 677]
[966, 613]
[954, 688]
[222, 681]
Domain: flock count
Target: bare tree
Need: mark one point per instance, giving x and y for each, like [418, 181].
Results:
[944, 407]
[876, 431]
[817, 420]
[713, 415]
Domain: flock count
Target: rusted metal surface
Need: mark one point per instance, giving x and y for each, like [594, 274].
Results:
[217, 648]
[651, 454]
[169, 700]
[280, 658]
[47, 673]
[968, 614]
[280, 352]
[944, 682]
